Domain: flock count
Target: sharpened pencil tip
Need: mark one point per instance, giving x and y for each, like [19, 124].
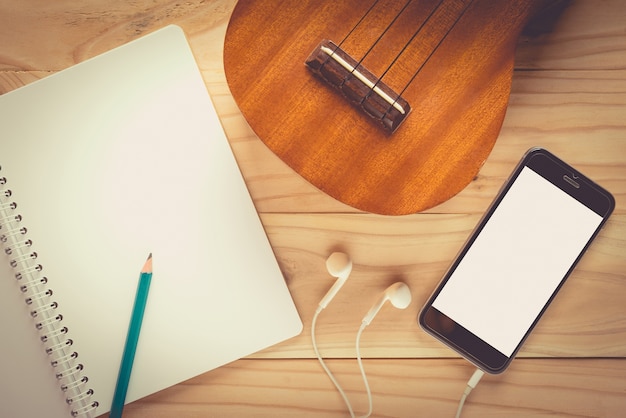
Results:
[147, 267]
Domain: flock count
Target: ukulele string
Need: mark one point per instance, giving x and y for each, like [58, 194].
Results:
[406, 45]
[350, 33]
[365, 15]
[415, 34]
[397, 57]
[380, 37]
[436, 47]
[384, 32]
[359, 22]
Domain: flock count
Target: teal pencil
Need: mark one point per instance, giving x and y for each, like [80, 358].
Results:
[121, 387]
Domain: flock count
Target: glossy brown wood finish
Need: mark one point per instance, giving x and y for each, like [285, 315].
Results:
[459, 68]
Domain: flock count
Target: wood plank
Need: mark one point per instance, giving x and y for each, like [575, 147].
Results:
[578, 115]
[586, 319]
[571, 101]
[586, 35]
[11, 80]
[401, 388]
[55, 35]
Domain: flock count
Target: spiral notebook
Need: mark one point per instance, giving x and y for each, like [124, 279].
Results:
[101, 164]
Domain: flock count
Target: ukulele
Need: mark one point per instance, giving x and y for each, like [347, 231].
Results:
[388, 106]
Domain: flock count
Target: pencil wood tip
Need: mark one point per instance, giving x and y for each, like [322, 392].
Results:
[147, 267]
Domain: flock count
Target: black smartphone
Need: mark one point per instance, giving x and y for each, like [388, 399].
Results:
[516, 259]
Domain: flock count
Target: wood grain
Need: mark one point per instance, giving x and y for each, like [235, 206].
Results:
[455, 74]
[579, 115]
[586, 319]
[402, 388]
[568, 94]
[578, 88]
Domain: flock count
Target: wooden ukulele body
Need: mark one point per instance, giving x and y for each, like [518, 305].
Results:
[452, 61]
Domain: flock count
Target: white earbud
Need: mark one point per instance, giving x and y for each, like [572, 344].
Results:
[398, 294]
[339, 265]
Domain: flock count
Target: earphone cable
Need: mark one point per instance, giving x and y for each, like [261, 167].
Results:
[471, 384]
[326, 369]
[358, 358]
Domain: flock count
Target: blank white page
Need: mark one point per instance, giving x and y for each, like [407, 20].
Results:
[121, 156]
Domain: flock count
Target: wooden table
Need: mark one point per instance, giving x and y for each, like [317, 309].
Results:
[569, 95]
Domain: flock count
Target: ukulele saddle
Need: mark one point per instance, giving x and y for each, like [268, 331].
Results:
[358, 85]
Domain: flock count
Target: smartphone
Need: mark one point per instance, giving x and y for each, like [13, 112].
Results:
[515, 261]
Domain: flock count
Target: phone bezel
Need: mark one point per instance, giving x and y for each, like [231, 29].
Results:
[460, 339]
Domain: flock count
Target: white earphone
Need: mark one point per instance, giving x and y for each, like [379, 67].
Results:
[339, 265]
[398, 294]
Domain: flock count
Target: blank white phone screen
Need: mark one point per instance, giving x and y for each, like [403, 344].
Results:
[515, 264]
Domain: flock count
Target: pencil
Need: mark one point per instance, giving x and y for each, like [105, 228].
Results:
[121, 387]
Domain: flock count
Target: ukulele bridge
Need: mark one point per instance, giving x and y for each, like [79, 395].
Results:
[362, 88]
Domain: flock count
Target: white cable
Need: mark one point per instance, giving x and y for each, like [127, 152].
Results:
[471, 384]
[326, 369]
[358, 357]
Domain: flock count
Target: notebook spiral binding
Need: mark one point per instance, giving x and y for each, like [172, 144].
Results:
[43, 309]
